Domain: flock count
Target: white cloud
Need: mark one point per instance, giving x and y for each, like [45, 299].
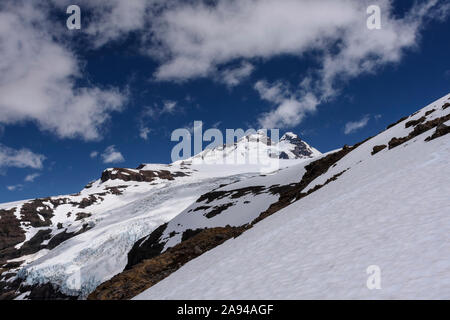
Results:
[15, 187]
[22, 158]
[233, 76]
[93, 154]
[39, 74]
[291, 108]
[351, 127]
[168, 107]
[143, 133]
[32, 177]
[111, 155]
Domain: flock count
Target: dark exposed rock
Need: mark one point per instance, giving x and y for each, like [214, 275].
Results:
[82, 215]
[445, 106]
[116, 190]
[234, 194]
[283, 155]
[86, 202]
[415, 122]
[63, 236]
[377, 149]
[89, 185]
[197, 250]
[46, 292]
[10, 231]
[429, 112]
[217, 210]
[395, 123]
[147, 247]
[37, 218]
[35, 243]
[9, 295]
[59, 238]
[441, 130]
[189, 233]
[418, 130]
[201, 208]
[300, 150]
[140, 175]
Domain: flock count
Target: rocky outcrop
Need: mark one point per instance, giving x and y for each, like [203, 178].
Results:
[147, 247]
[441, 130]
[419, 129]
[300, 149]
[379, 148]
[139, 175]
[11, 233]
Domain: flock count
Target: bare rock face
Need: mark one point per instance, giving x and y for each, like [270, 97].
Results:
[300, 149]
[139, 175]
[10, 231]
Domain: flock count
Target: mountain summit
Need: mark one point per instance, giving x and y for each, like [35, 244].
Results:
[257, 148]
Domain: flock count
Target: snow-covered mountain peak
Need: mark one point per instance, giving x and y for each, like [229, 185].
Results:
[256, 148]
[289, 136]
[292, 147]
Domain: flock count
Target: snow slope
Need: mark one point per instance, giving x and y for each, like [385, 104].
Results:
[390, 209]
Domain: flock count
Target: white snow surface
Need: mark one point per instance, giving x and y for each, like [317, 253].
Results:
[391, 210]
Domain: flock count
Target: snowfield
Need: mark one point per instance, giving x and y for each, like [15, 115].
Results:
[391, 210]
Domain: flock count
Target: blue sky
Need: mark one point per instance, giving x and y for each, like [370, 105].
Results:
[117, 88]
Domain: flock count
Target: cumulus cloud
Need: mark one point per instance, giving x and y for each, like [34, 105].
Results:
[23, 158]
[143, 132]
[32, 177]
[291, 106]
[15, 187]
[112, 155]
[168, 107]
[353, 126]
[233, 76]
[39, 75]
[93, 154]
